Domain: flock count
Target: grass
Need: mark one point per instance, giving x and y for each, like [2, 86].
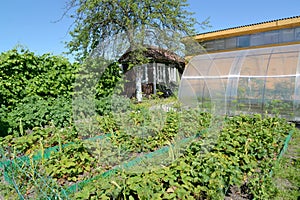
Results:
[287, 172]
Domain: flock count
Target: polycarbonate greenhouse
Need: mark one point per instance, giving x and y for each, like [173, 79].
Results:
[263, 80]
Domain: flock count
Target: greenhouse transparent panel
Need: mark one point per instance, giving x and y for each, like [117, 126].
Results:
[283, 64]
[216, 92]
[250, 95]
[194, 70]
[254, 65]
[264, 81]
[205, 100]
[220, 66]
[278, 97]
[189, 91]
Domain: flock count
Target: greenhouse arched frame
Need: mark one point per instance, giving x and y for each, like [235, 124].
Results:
[262, 80]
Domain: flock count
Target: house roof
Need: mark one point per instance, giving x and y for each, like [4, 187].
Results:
[288, 22]
[158, 55]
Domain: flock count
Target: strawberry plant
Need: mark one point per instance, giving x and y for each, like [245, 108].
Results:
[69, 163]
[242, 157]
[36, 139]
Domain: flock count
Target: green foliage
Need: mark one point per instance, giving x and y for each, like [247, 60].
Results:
[286, 173]
[23, 180]
[138, 128]
[4, 122]
[96, 84]
[235, 161]
[241, 156]
[36, 139]
[35, 91]
[70, 162]
[98, 22]
[7, 191]
[25, 74]
[109, 82]
[34, 111]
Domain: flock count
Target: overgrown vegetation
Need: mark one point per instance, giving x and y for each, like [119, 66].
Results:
[37, 91]
[150, 150]
[34, 90]
[24, 74]
[237, 163]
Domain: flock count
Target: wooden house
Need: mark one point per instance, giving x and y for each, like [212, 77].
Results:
[161, 73]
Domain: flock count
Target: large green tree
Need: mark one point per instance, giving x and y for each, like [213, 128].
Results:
[132, 24]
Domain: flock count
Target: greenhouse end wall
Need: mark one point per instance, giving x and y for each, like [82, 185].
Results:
[264, 80]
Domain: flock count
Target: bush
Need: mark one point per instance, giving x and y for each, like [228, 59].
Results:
[35, 111]
[25, 74]
[36, 91]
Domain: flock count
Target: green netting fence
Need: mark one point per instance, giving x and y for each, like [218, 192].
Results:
[20, 171]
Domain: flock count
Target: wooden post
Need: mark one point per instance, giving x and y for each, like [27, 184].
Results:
[146, 72]
[163, 69]
[138, 84]
[154, 65]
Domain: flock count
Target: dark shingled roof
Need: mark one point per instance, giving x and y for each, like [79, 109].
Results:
[158, 55]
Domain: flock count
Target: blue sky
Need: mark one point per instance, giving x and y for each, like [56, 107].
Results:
[31, 23]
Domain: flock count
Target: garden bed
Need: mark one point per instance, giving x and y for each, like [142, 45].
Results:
[239, 158]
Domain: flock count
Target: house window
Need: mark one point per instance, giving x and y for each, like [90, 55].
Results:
[160, 73]
[271, 37]
[209, 46]
[287, 35]
[175, 75]
[230, 43]
[144, 70]
[219, 44]
[257, 39]
[297, 34]
[172, 74]
[243, 41]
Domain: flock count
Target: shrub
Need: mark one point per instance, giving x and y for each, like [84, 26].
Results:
[35, 111]
[25, 74]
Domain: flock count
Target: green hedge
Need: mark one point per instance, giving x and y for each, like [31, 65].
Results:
[25, 74]
[34, 90]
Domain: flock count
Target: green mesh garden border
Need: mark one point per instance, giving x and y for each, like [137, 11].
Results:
[10, 167]
[39, 155]
[45, 187]
[283, 149]
[78, 186]
[65, 192]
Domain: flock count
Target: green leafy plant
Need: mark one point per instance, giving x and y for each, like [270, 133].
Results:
[69, 163]
[240, 160]
[34, 90]
[32, 141]
[25, 74]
